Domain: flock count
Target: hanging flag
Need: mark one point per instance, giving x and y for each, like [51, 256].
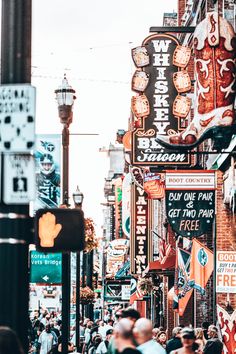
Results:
[201, 266]
[183, 291]
[135, 294]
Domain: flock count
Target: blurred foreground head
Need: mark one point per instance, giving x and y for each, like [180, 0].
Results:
[9, 342]
[142, 330]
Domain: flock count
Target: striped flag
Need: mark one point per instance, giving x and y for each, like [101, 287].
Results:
[135, 294]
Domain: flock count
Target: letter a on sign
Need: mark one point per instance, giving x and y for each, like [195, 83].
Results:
[58, 230]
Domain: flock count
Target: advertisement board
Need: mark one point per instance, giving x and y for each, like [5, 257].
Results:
[226, 272]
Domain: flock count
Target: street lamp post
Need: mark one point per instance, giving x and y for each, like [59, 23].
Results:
[78, 198]
[65, 99]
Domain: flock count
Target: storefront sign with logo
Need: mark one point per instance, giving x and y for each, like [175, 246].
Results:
[141, 221]
[190, 202]
[226, 272]
[116, 251]
[159, 88]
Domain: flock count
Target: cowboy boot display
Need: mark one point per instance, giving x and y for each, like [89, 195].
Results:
[215, 48]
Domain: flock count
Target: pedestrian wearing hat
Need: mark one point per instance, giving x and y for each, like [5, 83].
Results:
[188, 341]
[214, 345]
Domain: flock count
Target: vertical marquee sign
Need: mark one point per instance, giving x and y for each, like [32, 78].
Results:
[159, 106]
[190, 201]
[140, 238]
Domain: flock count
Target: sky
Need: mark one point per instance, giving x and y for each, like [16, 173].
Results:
[89, 41]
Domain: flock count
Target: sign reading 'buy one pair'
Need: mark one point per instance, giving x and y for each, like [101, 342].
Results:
[190, 201]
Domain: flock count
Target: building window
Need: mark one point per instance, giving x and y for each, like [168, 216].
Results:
[229, 11]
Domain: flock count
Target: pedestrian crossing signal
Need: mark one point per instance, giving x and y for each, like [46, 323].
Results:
[59, 230]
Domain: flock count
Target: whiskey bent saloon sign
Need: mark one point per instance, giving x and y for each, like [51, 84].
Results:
[159, 107]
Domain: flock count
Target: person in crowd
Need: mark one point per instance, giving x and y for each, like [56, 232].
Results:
[200, 340]
[106, 316]
[155, 331]
[161, 338]
[205, 326]
[103, 346]
[213, 345]
[9, 342]
[95, 341]
[189, 346]
[143, 336]
[129, 313]
[123, 337]
[102, 329]
[70, 347]
[175, 341]
[46, 340]
[97, 313]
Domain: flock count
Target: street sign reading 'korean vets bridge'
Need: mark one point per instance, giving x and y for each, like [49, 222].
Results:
[45, 267]
[190, 201]
[157, 93]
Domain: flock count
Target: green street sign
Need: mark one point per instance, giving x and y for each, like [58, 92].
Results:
[45, 267]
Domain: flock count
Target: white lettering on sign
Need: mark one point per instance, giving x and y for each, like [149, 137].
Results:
[141, 231]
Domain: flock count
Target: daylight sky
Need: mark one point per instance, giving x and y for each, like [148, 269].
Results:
[90, 41]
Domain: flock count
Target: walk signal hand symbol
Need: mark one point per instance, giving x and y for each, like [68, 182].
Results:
[48, 229]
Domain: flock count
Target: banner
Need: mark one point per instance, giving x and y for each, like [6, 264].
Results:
[48, 176]
[201, 266]
[141, 236]
[158, 102]
[182, 289]
[226, 272]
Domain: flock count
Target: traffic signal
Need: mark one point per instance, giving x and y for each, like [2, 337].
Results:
[59, 230]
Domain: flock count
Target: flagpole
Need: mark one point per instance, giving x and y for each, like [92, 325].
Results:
[194, 308]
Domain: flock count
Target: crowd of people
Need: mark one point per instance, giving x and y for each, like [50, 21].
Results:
[123, 332]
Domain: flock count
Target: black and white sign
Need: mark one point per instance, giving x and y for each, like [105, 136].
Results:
[17, 118]
[19, 179]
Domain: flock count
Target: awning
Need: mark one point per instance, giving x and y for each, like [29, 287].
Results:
[123, 272]
[166, 264]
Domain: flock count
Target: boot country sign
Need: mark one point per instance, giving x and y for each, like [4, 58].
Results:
[190, 201]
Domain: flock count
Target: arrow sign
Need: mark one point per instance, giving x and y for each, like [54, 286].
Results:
[46, 278]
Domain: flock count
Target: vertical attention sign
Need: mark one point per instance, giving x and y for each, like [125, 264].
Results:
[140, 239]
[155, 105]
